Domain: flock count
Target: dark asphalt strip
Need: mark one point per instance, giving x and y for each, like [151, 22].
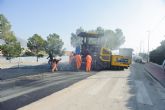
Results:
[20, 90]
[28, 98]
[24, 81]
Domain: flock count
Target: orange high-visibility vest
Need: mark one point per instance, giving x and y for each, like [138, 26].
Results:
[78, 61]
[88, 62]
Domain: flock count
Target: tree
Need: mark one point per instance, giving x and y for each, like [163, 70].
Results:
[108, 40]
[111, 39]
[36, 44]
[158, 55]
[75, 40]
[54, 45]
[120, 38]
[12, 47]
[11, 50]
[4, 26]
[5, 30]
[100, 30]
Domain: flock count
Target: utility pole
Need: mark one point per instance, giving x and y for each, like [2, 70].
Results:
[148, 46]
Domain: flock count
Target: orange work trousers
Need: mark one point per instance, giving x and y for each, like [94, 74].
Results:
[88, 63]
[88, 66]
[78, 61]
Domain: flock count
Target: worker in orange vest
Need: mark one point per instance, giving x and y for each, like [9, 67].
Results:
[78, 61]
[88, 62]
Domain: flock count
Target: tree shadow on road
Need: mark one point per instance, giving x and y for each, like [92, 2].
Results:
[14, 72]
[24, 70]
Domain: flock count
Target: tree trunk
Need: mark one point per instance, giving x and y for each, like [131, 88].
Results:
[37, 58]
[37, 55]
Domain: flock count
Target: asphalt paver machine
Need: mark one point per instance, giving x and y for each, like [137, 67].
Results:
[102, 57]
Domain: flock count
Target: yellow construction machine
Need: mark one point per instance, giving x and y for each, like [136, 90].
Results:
[102, 57]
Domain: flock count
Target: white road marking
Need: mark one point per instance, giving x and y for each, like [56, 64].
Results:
[142, 94]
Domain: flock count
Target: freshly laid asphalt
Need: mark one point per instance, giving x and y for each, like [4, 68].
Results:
[24, 85]
[28, 88]
[132, 89]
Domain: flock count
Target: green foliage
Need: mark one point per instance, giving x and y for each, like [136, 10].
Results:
[28, 53]
[111, 39]
[11, 50]
[158, 55]
[5, 28]
[75, 40]
[54, 45]
[9, 37]
[40, 55]
[36, 44]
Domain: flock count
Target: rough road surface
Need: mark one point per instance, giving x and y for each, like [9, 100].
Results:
[20, 91]
[132, 89]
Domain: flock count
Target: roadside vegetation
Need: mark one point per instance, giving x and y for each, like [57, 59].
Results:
[110, 39]
[11, 47]
[158, 55]
[37, 46]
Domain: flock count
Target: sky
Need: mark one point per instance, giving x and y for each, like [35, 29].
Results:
[140, 20]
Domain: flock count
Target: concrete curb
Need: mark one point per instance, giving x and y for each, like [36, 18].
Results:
[145, 68]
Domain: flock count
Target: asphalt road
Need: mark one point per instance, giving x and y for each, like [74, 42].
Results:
[132, 89]
[150, 95]
[20, 91]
